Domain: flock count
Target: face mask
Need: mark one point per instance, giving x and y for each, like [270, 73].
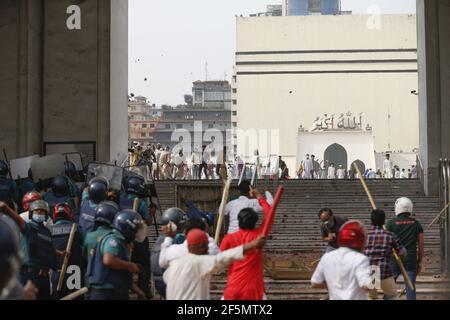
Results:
[38, 218]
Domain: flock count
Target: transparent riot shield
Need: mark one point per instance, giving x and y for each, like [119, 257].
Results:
[47, 167]
[112, 173]
[19, 167]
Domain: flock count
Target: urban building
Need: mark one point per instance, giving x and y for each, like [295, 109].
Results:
[143, 119]
[212, 94]
[305, 71]
[311, 7]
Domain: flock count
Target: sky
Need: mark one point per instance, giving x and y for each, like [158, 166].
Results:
[171, 41]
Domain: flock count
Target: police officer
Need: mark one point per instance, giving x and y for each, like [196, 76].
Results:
[95, 193]
[37, 245]
[59, 194]
[110, 270]
[104, 217]
[60, 230]
[178, 217]
[9, 192]
[134, 187]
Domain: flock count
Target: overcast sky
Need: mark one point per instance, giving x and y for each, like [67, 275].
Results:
[171, 40]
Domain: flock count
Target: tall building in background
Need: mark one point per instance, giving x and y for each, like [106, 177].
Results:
[311, 7]
[212, 94]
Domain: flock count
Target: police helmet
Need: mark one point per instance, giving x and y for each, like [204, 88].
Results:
[60, 186]
[176, 215]
[3, 168]
[97, 189]
[38, 205]
[134, 185]
[62, 211]
[128, 223]
[106, 212]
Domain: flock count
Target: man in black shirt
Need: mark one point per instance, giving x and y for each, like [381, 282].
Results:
[329, 227]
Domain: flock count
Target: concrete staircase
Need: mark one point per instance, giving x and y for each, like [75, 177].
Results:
[296, 233]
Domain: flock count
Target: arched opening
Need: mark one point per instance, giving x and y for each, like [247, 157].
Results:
[361, 165]
[336, 154]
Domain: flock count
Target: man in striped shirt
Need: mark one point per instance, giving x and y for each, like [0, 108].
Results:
[379, 248]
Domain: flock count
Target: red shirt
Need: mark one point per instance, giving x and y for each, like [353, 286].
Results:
[246, 277]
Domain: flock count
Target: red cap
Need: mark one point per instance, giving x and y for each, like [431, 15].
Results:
[196, 236]
[352, 235]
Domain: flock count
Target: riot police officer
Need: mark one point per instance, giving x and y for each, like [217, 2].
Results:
[37, 245]
[59, 194]
[60, 230]
[95, 193]
[9, 192]
[104, 217]
[134, 187]
[178, 217]
[110, 271]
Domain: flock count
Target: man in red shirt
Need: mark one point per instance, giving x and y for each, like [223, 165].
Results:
[246, 277]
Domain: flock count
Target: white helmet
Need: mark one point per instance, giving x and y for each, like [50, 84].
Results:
[403, 205]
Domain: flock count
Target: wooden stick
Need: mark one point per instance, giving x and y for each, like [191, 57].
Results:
[394, 252]
[76, 294]
[66, 258]
[438, 216]
[136, 204]
[226, 191]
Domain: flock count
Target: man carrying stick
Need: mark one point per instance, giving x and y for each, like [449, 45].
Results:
[246, 277]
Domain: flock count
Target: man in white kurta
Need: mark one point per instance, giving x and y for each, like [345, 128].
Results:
[331, 172]
[388, 166]
[189, 277]
[308, 167]
[341, 172]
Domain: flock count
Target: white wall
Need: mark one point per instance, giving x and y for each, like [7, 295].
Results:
[361, 79]
[359, 146]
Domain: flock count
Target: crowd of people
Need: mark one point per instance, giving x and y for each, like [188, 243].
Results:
[110, 254]
[310, 168]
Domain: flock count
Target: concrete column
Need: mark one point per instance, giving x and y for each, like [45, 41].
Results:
[433, 30]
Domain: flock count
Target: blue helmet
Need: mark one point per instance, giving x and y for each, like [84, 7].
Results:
[128, 223]
[3, 168]
[134, 184]
[60, 186]
[106, 212]
[98, 189]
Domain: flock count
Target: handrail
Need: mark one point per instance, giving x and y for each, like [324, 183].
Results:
[444, 223]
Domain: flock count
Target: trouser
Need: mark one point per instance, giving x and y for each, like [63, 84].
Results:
[144, 281]
[65, 290]
[41, 280]
[218, 167]
[412, 273]
[389, 289]
[203, 167]
[195, 171]
[107, 294]
[160, 286]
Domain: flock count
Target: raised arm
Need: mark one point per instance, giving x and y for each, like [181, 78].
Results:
[13, 215]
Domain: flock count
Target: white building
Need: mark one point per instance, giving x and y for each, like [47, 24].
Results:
[289, 70]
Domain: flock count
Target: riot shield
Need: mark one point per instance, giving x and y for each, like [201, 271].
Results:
[47, 167]
[19, 167]
[112, 173]
[75, 158]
